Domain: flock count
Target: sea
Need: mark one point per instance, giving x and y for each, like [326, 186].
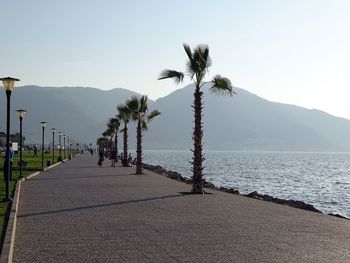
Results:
[320, 179]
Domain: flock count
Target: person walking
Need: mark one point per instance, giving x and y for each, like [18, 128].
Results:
[35, 151]
[5, 167]
[113, 157]
[100, 157]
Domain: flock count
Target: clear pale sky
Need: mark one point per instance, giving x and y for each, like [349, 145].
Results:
[291, 51]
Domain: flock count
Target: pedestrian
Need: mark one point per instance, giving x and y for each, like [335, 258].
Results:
[112, 157]
[5, 167]
[100, 157]
[129, 159]
[35, 151]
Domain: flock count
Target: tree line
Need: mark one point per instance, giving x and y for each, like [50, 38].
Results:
[136, 109]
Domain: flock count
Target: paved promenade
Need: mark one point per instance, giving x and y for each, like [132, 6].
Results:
[79, 212]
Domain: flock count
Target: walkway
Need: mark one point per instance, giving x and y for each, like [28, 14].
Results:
[79, 212]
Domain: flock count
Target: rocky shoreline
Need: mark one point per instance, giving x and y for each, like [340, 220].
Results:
[255, 195]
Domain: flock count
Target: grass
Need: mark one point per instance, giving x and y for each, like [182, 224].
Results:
[33, 164]
[5, 206]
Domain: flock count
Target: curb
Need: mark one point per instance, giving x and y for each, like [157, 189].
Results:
[9, 241]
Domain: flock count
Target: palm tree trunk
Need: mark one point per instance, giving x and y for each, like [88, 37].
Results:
[139, 149]
[125, 157]
[197, 159]
[116, 146]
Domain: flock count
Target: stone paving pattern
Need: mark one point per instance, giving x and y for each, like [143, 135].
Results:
[79, 212]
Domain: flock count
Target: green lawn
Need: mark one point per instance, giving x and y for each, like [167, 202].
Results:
[5, 206]
[35, 162]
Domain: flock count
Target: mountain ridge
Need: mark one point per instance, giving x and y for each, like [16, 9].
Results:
[243, 122]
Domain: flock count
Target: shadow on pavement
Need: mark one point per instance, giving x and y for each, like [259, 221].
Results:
[101, 205]
[59, 177]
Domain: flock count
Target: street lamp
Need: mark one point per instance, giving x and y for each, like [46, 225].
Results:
[53, 144]
[60, 152]
[9, 84]
[43, 125]
[21, 114]
[64, 146]
[68, 145]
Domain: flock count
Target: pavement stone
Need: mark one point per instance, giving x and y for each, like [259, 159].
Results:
[79, 212]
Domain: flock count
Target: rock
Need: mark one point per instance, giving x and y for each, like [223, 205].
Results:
[232, 191]
[209, 185]
[254, 194]
[337, 215]
[178, 177]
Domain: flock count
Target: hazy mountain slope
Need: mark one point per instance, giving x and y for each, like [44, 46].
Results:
[243, 122]
[79, 112]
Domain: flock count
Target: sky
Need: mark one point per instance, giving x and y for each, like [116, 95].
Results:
[291, 51]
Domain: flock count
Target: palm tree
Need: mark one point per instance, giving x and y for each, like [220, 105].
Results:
[109, 133]
[102, 142]
[139, 110]
[113, 125]
[197, 67]
[124, 115]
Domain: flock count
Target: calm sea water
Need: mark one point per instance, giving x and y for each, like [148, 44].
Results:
[321, 179]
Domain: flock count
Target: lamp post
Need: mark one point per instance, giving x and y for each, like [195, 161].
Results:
[43, 125]
[64, 146]
[68, 145]
[9, 84]
[21, 114]
[60, 145]
[53, 144]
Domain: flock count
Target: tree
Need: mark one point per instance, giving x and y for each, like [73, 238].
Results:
[109, 133]
[139, 113]
[102, 142]
[113, 125]
[197, 68]
[124, 115]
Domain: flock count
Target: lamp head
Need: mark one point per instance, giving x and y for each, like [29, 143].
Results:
[9, 83]
[21, 113]
[53, 130]
[43, 124]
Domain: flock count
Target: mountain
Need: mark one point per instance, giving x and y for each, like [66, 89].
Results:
[241, 122]
[79, 112]
[246, 122]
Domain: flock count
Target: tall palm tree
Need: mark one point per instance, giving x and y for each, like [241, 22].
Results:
[197, 67]
[113, 125]
[124, 115]
[139, 113]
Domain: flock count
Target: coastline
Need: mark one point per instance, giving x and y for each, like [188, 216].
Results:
[255, 195]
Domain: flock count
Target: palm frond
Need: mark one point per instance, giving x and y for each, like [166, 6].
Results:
[144, 125]
[143, 104]
[114, 121]
[121, 108]
[201, 55]
[221, 86]
[176, 75]
[188, 51]
[133, 103]
[153, 114]
[124, 113]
